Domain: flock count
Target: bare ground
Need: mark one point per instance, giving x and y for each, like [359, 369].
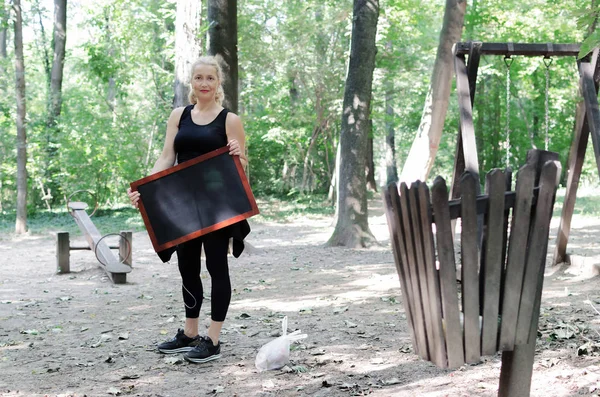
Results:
[79, 335]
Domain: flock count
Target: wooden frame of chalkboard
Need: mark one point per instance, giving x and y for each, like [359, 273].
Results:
[194, 198]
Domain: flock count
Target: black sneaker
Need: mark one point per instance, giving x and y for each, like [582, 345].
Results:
[205, 351]
[179, 344]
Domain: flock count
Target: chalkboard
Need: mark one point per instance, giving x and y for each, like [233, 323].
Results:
[194, 198]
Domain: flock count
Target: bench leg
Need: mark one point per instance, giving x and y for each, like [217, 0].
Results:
[517, 369]
[118, 278]
[62, 252]
[124, 248]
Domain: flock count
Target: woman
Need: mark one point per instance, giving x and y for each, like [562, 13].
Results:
[192, 131]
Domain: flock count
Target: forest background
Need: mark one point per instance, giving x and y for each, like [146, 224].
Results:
[118, 90]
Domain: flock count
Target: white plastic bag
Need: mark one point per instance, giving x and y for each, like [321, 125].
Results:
[276, 354]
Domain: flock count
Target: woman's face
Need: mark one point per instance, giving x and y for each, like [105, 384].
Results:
[205, 81]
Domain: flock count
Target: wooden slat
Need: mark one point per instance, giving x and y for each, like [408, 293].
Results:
[398, 250]
[491, 261]
[576, 158]
[508, 187]
[413, 272]
[536, 253]
[405, 267]
[418, 229]
[470, 272]
[438, 356]
[515, 264]
[517, 365]
[454, 334]
[538, 158]
[522, 49]
[548, 184]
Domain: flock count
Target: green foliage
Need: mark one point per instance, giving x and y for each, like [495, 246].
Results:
[46, 222]
[118, 82]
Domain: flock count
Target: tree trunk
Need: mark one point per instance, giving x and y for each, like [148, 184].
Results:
[21, 222]
[222, 32]
[390, 139]
[370, 169]
[352, 227]
[3, 38]
[59, 40]
[188, 47]
[425, 145]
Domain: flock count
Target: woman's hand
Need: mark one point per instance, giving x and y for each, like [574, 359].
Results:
[134, 197]
[234, 147]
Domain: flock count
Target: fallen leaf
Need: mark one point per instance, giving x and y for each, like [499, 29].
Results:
[173, 360]
[350, 324]
[340, 310]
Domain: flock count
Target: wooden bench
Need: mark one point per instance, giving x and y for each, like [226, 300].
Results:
[116, 268]
[503, 246]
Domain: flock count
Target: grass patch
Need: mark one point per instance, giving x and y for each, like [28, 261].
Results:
[585, 204]
[44, 221]
[290, 207]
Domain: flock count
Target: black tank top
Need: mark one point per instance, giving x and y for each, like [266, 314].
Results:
[193, 140]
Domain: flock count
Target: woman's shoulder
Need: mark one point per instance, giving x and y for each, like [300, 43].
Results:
[232, 117]
[178, 111]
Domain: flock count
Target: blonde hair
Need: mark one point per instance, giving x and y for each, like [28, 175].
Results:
[210, 61]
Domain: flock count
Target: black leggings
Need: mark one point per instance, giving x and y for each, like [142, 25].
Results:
[216, 245]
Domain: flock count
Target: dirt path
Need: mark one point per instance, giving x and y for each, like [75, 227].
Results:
[79, 335]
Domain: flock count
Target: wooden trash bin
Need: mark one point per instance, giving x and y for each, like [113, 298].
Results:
[503, 246]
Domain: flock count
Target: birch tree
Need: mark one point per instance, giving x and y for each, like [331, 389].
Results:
[188, 46]
[427, 140]
[21, 222]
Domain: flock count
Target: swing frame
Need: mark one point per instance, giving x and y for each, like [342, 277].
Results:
[587, 119]
[515, 377]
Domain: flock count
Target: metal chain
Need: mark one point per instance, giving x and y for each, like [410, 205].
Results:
[507, 61]
[547, 62]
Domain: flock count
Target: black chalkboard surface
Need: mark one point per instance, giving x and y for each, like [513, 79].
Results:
[194, 198]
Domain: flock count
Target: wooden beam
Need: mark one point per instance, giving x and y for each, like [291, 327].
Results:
[466, 116]
[459, 159]
[575, 164]
[482, 202]
[576, 159]
[522, 49]
[590, 98]
[62, 252]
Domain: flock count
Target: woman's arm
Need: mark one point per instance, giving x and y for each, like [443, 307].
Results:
[167, 157]
[236, 137]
